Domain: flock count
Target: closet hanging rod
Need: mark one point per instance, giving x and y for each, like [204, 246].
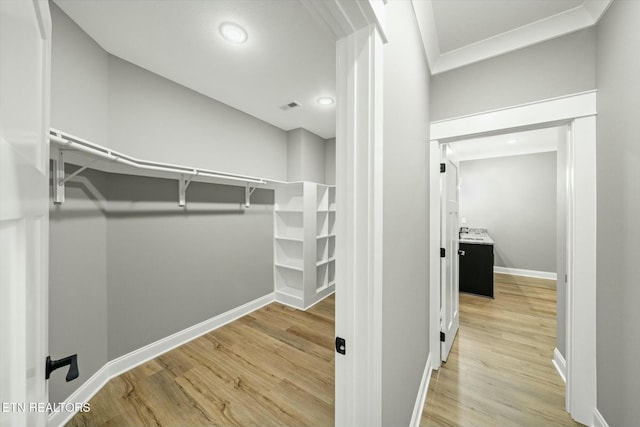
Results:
[80, 144]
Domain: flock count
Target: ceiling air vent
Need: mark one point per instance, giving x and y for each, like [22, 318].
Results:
[290, 105]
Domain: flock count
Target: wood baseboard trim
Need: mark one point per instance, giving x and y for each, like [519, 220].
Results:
[598, 419]
[124, 363]
[422, 393]
[560, 364]
[527, 273]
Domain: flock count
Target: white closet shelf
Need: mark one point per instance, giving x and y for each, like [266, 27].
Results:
[291, 239]
[325, 261]
[75, 150]
[289, 266]
[325, 236]
[288, 211]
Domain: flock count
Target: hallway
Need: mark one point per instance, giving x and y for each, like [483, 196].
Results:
[499, 372]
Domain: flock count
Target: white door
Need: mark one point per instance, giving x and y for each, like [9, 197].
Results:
[449, 294]
[25, 29]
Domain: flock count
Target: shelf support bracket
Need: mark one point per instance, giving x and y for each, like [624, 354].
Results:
[248, 191]
[58, 179]
[183, 184]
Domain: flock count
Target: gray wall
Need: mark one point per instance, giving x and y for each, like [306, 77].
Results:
[79, 80]
[156, 119]
[294, 155]
[111, 102]
[305, 156]
[618, 269]
[515, 198]
[405, 316]
[169, 267]
[78, 280]
[78, 229]
[330, 161]
[561, 66]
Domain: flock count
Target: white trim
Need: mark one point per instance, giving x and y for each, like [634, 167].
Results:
[579, 112]
[553, 110]
[359, 192]
[544, 29]
[434, 252]
[526, 273]
[422, 393]
[560, 364]
[83, 394]
[581, 269]
[124, 363]
[598, 419]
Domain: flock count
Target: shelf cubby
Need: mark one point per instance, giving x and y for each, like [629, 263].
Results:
[289, 225]
[304, 243]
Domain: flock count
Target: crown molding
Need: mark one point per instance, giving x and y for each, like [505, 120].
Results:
[584, 16]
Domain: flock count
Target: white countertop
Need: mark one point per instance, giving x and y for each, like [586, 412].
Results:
[478, 238]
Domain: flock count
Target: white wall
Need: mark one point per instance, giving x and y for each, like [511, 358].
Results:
[515, 199]
[405, 307]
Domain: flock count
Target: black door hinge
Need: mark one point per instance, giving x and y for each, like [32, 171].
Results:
[71, 361]
[341, 345]
[442, 253]
[443, 168]
[442, 337]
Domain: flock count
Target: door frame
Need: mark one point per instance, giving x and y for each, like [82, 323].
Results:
[578, 111]
[359, 30]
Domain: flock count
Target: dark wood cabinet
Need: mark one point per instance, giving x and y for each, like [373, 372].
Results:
[476, 269]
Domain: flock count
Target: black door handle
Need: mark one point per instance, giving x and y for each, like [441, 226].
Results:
[460, 252]
[72, 361]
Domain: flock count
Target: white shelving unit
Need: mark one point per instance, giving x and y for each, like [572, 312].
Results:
[304, 243]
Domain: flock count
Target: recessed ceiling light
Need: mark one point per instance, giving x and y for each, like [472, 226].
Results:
[233, 33]
[325, 100]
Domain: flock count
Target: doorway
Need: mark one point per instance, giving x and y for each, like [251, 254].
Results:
[578, 113]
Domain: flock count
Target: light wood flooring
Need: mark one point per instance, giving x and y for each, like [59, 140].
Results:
[273, 367]
[499, 371]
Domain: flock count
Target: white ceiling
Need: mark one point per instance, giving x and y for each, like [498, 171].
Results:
[511, 144]
[461, 23]
[288, 55]
[456, 33]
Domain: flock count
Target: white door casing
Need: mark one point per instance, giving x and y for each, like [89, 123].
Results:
[360, 33]
[578, 112]
[449, 294]
[25, 37]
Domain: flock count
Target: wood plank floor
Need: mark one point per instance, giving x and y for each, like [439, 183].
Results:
[274, 367]
[499, 372]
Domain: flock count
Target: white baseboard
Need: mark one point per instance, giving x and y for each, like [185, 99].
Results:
[83, 394]
[528, 273]
[598, 419]
[295, 302]
[560, 364]
[137, 357]
[422, 393]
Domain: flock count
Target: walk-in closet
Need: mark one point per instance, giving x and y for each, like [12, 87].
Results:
[192, 211]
